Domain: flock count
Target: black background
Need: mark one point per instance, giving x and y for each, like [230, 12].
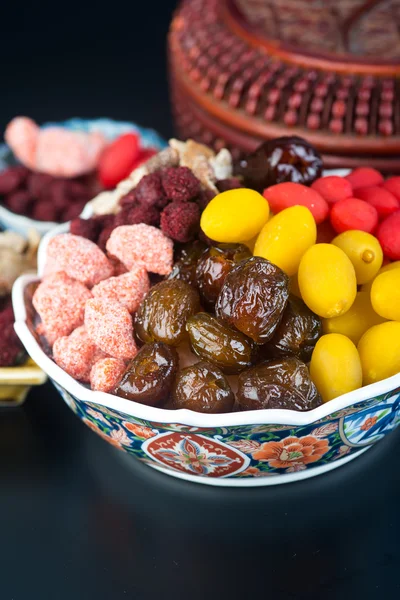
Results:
[76, 520]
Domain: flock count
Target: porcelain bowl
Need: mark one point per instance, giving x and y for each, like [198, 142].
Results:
[109, 128]
[239, 449]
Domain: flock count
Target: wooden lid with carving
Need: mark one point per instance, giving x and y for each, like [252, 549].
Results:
[243, 71]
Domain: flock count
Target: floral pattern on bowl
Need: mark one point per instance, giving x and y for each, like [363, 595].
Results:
[240, 452]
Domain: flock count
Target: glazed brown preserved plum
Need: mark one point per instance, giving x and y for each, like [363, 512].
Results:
[213, 267]
[164, 311]
[253, 298]
[203, 388]
[288, 158]
[297, 333]
[212, 340]
[150, 375]
[185, 267]
[281, 383]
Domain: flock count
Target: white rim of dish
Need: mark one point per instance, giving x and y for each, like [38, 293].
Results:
[182, 416]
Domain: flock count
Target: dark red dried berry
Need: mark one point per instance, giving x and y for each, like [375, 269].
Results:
[204, 198]
[104, 220]
[137, 214]
[45, 211]
[232, 183]
[129, 199]
[103, 237]
[87, 228]
[149, 191]
[11, 349]
[38, 182]
[19, 201]
[12, 178]
[181, 221]
[180, 184]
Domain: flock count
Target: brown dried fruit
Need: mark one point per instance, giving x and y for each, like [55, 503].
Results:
[214, 266]
[282, 383]
[297, 333]
[185, 268]
[164, 311]
[212, 340]
[150, 375]
[202, 388]
[253, 298]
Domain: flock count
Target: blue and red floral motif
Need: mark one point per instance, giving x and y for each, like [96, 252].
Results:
[245, 450]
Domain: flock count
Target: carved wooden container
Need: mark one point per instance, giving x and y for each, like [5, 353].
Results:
[243, 71]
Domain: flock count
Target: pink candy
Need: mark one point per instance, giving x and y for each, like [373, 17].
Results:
[76, 354]
[129, 289]
[60, 302]
[54, 150]
[109, 325]
[106, 373]
[79, 258]
[144, 244]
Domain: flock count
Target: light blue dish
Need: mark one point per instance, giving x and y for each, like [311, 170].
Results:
[109, 128]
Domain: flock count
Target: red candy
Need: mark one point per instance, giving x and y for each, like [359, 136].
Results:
[118, 160]
[389, 236]
[392, 185]
[384, 202]
[106, 373]
[109, 325]
[284, 195]
[364, 177]
[333, 188]
[353, 213]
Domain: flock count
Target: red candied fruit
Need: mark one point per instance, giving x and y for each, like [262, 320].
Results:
[118, 160]
[149, 191]
[392, 185]
[180, 184]
[286, 194]
[333, 188]
[384, 202]
[364, 177]
[12, 178]
[353, 213]
[389, 236]
[180, 221]
[87, 228]
[137, 214]
[19, 201]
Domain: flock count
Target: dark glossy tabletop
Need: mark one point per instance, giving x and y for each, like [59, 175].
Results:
[80, 521]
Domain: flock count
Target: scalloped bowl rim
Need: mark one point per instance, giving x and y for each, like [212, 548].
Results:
[182, 416]
[21, 222]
